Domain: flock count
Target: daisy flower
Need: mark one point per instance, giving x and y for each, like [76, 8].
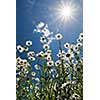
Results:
[69, 55]
[58, 36]
[49, 51]
[50, 63]
[31, 54]
[42, 39]
[18, 59]
[28, 43]
[46, 55]
[76, 48]
[37, 67]
[21, 62]
[26, 48]
[72, 46]
[58, 62]
[63, 58]
[17, 67]
[49, 57]
[81, 35]
[79, 44]
[61, 53]
[66, 45]
[46, 46]
[31, 58]
[20, 48]
[33, 73]
[40, 54]
[25, 62]
[78, 40]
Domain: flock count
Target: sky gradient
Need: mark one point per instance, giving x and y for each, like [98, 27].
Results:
[31, 12]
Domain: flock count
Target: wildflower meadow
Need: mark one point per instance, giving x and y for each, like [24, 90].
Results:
[41, 76]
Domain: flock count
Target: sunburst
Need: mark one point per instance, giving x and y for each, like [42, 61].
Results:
[66, 11]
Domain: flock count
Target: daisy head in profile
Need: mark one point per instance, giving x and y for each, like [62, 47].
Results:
[40, 54]
[37, 79]
[49, 51]
[58, 62]
[26, 48]
[31, 54]
[24, 61]
[81, 35]
[49, 58]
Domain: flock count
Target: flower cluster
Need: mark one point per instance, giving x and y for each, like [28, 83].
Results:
[49, 79]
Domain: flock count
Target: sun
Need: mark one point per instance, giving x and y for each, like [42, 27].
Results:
[66, 12]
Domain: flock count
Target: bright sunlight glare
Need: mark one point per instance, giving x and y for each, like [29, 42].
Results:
[66, 12]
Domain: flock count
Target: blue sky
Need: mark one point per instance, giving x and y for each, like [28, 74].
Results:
[30, 12]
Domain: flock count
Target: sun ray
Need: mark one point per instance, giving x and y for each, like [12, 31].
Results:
[66, 11]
